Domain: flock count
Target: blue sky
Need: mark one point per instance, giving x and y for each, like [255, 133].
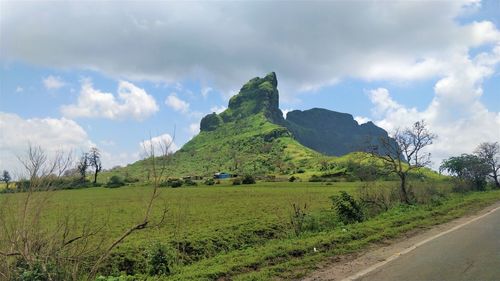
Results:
[63, 71]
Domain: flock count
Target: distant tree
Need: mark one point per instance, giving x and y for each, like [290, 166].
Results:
[405, 152]
[83, 165]
[489, 152]
[94, 159]
[468, 168]
[6, 178]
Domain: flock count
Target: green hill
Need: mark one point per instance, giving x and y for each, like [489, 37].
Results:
[252, 137]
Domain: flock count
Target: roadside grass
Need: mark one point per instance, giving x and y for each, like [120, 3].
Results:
[294, 257]
[226, 232]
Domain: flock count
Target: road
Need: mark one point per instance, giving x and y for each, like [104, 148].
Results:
[471, 252]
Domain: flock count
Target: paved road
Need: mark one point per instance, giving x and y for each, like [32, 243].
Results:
[468, 253]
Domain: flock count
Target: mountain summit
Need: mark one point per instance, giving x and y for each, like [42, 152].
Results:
[259, 95]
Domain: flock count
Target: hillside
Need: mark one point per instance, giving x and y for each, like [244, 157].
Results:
[252, 137]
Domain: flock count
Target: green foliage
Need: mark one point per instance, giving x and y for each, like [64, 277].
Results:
[292, 179]
[210, 122]
[236, 181]
[115, 181]
[161, 259]
[248, 179]
[348, 209]
[173, 182]
[469, 170]
[209, 181]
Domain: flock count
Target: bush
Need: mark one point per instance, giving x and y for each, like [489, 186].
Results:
[115, 181]
[292, 179]
[174, 183]
[301, 170]
[236, 181]
[376, 198]
[160, 260]
[347, 208]
[248, 179]
[190, 182]
[209, 181]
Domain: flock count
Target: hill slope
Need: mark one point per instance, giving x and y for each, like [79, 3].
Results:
[251, 136]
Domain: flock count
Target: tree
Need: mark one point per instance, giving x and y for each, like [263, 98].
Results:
[6, 178]
[94, 159]
[404, 153]
[489, 152]
[83, 165]
[468, 168]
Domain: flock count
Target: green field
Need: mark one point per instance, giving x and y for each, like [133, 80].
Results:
[239, 232]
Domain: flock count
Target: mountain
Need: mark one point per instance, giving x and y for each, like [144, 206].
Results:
[332, 133]
[252, 136]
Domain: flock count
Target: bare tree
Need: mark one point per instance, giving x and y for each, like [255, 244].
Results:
[94, 159]
[489, 152]
[405, 152]
[154, 150]
[68, 247]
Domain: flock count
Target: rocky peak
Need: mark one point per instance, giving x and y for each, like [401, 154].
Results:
[258, 95]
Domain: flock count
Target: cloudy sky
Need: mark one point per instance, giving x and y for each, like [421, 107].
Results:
[111, 74]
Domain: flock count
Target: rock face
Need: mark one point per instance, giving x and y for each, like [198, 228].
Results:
[332, 133]
[259, 95]
[325, 131]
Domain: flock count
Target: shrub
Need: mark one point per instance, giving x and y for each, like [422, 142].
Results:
[174, 183]
[301, 170]
[236, 181]
[298, 218]
[115, 181]
[376, 198]
[347, 208]
[209, 181]
[292, 179]
[248, 179]
[160, 259]
[190, 182]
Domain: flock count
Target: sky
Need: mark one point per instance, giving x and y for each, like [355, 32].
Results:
[113, 74]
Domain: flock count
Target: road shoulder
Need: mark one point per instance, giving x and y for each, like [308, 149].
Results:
[340, 268]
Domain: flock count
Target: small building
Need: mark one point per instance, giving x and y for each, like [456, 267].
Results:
[222, 175]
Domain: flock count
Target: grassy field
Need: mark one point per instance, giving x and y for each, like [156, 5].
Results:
[242, 232]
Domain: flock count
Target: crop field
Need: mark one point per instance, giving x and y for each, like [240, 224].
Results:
[238, 232]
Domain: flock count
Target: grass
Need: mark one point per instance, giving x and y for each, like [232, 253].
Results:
[243, 232]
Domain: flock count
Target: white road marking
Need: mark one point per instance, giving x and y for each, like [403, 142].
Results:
[409, 249]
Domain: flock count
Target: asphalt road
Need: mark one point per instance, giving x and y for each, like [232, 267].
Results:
[471, 252]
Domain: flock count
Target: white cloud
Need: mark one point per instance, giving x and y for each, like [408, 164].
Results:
[49, 133]
[159, 143]
[53, 82]
[285, 112]
[19, 89]
[228, 42]
[218, 109]
[456, 113]
[205, 91]
[194, 128]
[361, 119]
[176, 103]
[131, 102]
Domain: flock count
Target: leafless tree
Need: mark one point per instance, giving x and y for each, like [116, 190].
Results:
[94, 159]
[405, 152]
[76, 247]
[489, 152]
[153, 150]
